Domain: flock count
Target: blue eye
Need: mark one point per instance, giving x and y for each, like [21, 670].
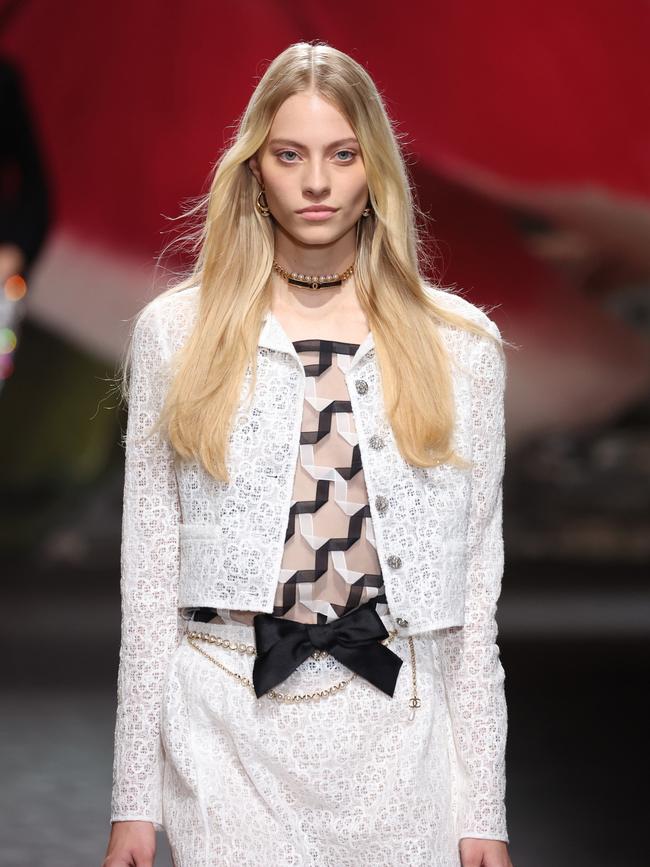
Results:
[280, 154]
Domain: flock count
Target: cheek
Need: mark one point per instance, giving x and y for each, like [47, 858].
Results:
[275, 180]
[357, 187]
[280, 190]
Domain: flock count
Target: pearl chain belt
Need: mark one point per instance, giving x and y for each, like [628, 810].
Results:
[193, 636]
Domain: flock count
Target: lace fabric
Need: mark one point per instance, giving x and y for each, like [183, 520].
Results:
[158, 501]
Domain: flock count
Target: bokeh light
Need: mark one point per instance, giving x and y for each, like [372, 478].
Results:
[6, 366]
[8, 340]
[15, 287]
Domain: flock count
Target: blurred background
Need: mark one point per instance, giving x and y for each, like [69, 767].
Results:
[527, 129]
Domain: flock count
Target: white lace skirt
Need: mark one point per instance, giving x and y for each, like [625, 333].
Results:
[346, 780]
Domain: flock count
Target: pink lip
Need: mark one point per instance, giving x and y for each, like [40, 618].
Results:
[317, 213]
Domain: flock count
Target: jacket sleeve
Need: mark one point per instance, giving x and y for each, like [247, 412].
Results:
[150, 623]
[469, 655]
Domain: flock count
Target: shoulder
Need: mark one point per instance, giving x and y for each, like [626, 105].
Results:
[479, 354]
[168, 319]
[447, 299]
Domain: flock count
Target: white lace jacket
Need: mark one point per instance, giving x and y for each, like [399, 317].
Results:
[189, 540]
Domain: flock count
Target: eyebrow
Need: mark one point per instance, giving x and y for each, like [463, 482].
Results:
[286, 141]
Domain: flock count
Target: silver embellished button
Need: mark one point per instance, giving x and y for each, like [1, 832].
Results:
[381, 504]
[376, 442]
[394, 561]
[401, 622]
[362, 386]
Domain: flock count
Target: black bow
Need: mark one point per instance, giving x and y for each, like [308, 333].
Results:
[354, 639]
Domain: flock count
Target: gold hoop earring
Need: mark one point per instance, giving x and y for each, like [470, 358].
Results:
[366, 212]
[262, 207]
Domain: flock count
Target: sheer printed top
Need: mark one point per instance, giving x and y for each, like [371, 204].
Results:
[329, 565]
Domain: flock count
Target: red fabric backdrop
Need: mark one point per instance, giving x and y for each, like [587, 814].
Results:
[135, 100]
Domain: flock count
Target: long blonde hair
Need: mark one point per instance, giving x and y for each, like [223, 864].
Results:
[234, 249]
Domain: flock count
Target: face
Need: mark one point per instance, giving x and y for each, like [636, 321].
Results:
[311, 157]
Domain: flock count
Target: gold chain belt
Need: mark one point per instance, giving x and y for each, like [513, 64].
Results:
[241, 647]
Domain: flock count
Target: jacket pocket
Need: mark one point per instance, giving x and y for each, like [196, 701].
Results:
[224, 567]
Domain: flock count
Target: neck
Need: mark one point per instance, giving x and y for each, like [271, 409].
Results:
[288, 297]
[315, 260]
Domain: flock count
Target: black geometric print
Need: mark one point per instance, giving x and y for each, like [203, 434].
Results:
[339, 595]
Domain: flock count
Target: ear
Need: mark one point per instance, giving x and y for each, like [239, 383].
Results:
[254, 166]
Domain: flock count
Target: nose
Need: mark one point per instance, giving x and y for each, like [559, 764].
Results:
[316, 179]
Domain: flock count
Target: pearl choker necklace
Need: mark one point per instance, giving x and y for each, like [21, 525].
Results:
[308, 281]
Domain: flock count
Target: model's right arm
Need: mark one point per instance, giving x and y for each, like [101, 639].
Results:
[151, 628]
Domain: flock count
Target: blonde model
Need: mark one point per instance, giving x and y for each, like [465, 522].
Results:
[312, 542]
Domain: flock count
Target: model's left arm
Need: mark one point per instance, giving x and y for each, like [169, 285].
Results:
[469, 655]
